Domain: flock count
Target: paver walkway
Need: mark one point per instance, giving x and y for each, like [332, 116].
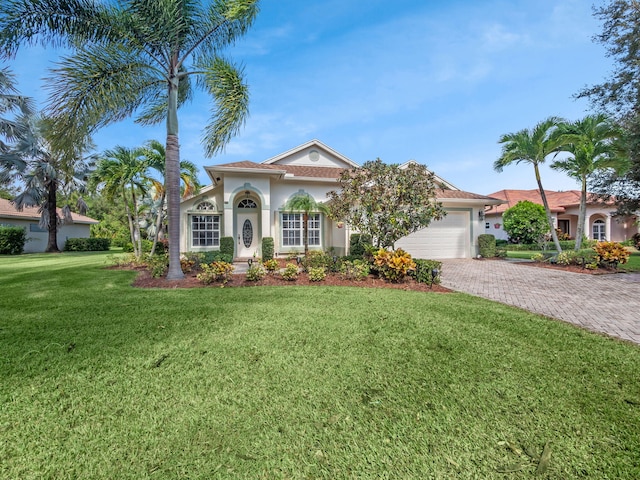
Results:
[602, 303]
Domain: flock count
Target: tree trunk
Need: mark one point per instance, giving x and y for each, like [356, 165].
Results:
[132, 232]
[52, 241]
[158, 221]
[172, 180]
[136, 221]
[305, 233]
[554, 234]
[582, 213]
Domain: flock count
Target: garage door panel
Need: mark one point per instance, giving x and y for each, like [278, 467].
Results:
[446, 238]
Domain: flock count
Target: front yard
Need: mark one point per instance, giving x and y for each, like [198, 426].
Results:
[633, 265]
[103, 380]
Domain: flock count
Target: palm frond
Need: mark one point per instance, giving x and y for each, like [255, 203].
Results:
[226, 85]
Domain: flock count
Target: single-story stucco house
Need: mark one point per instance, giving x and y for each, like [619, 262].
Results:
[601, 222]
[36, 236]
[246, 201]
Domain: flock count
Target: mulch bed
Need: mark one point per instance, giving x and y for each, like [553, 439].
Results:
[145, 280]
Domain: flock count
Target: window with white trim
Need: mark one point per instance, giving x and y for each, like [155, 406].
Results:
[205, 230]
[599, 230]
[292, 229]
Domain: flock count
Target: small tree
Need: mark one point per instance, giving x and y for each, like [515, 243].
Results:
[525, 222]
[386, 202]
[305, 203]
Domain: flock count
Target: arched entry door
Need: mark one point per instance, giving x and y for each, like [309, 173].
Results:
[247, 227]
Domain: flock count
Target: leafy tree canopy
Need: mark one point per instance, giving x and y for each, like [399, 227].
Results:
[525, 222]
[387, 202]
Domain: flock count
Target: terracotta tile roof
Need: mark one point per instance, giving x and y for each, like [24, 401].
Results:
[7, 210]
[558, 201]
[295, 170]
[459, 194]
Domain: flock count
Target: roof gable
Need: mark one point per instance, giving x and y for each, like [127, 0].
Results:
[312, 154]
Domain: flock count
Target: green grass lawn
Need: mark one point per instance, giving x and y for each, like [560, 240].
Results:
[102, 380]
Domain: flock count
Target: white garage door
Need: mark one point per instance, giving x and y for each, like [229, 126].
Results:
[446, 238]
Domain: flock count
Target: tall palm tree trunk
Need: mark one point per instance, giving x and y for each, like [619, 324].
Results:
[582, 213]
[52, 240]
[132, 232]
[554, 234]
[305, 233]
[158, 221]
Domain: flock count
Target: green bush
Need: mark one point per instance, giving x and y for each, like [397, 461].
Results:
[158, 265]
[356, 269]
[427, 271]
[87, 244]
[501, 243]
[256, 272]
[267, 248]
[357, 243]
[636, 240]
[317, 259]
[12, 240]
[146, 246]
[270, 265]
[227, 245]
[317, 274]
[525, 222]
[290, 272]
[565, 245]
[216, 256]
[215, 272]
[487, 245]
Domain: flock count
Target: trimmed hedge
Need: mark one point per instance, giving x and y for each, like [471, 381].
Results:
[424, 271]
[487, 245]
[12, 240]
[565, 244]
[227, 245]
[267, 248]
[87, 244]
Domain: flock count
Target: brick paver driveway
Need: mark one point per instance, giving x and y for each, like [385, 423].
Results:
[603, 303]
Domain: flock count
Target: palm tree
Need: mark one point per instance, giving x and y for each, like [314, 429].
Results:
[140, 56]
[12, 102]
[122, 172]
[591, 143]
[155, 154]
[305, 203]
[533, 147]
[44, 167]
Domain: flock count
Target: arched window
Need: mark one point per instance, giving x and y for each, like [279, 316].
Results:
[247, 203]
[205, 206]
[599, 230]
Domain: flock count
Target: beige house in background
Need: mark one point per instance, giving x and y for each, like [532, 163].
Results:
[601, 223]
[36, 236]
[246, 201]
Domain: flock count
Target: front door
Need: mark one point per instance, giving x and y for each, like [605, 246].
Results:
[247, 235]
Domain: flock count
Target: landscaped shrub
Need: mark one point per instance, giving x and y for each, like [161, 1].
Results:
[216, 256]
[87, 244]
[565, 245]
[146, 246]
[256, 272]
[267, 248]
[317, 274]
[357, 243]
[215, 272]
[270, 265]
[487, 245]
[226, 245]
[290, 272]
[157, 265]
[525, 222]
[538, 257]
[610, 254]
[636, 240]
[354, 269]
[317, 259]
[427, 271]
[12, 240]
[393, 266]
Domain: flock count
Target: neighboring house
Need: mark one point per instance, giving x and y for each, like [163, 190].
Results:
[37, 237]
[246, 201]
[601, 223]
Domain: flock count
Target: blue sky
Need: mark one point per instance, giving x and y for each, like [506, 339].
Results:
[435, 81]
